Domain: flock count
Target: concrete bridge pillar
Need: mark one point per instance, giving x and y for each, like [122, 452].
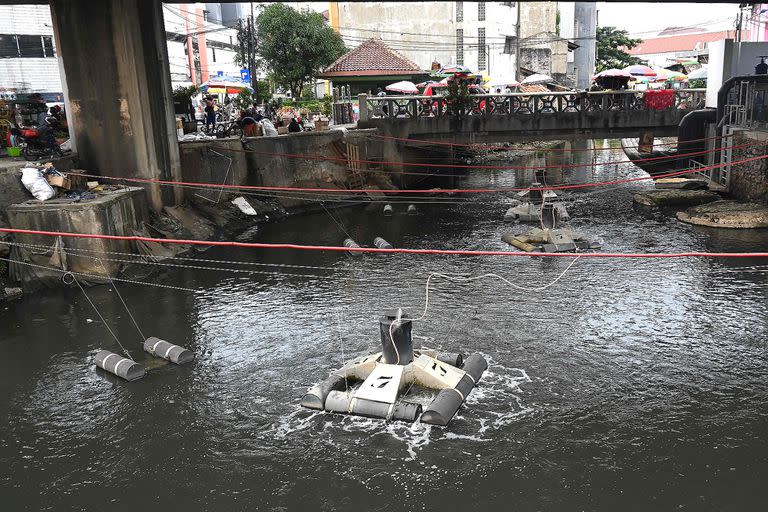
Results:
[115, 59]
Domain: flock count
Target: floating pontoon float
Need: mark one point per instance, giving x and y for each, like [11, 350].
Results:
[373, 386]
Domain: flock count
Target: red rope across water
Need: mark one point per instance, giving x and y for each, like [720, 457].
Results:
[419, 191]
[333, 248]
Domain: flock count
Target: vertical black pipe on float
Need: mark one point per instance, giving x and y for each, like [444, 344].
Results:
[396, 339]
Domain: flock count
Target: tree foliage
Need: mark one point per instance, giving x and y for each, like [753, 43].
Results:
[611, 43]
[459, 98]
[295, 46]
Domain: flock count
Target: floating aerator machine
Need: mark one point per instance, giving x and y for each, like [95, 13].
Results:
[373, 386]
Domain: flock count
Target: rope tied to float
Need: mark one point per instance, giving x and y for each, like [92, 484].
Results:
[69, 278]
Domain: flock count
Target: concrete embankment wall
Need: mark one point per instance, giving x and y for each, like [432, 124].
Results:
[749, 181]
[262, 161]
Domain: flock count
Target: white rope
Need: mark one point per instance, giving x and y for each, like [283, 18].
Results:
[121, 299]
[484, 276]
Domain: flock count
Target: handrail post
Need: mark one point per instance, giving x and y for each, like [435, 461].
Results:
[363, 103]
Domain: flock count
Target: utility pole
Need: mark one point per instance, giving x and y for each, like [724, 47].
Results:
[252, 57]
[517, 41]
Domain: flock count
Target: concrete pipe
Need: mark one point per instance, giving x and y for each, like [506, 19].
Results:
[168, 351]
[118, 365]
[381, 243]
[388, 211]
[348, 242]
[452, 359]
[412, 209]
[346, 403]
[317, 394]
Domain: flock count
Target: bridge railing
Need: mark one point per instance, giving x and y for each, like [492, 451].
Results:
[539, 103]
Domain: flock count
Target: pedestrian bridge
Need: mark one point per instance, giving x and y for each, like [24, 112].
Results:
[525, 116]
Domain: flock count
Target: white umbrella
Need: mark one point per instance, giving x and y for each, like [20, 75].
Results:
[538, 78]
[404, 87]
[698, 74]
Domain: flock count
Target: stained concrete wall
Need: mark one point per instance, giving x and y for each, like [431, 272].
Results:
[258, 162]
[749, 181]
[118, 80]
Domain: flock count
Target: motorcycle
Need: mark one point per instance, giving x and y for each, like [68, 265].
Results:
[36, 143]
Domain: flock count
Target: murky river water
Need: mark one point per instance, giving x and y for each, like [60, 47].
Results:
[628, 385]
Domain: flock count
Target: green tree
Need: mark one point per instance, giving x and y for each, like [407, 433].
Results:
[295, 46]
[611, 44]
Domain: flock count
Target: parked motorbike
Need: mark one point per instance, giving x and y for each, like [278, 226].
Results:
[38, 142]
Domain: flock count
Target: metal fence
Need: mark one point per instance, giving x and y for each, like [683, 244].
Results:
[542, 103]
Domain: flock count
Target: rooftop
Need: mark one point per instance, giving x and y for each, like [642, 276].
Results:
[681, 43]
[371, 58]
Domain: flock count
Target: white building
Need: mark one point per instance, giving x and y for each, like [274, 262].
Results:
[479, 35]
[28, 60]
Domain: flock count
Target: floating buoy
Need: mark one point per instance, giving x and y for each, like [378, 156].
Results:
[168, 351]
[372, 386]
[388, 212]
[381, 243]
[117, 365]
[412, 209]
[349, 243]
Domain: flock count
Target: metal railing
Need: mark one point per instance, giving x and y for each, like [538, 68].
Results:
[540, 103]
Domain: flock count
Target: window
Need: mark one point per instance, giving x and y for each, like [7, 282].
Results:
[481, 56]
[459, 11]
[48, 46]
[459, 46]
[480, 11]
[30, 46]
[8, 47]
[509, 44]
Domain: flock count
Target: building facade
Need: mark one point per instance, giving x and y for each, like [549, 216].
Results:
[28, 60]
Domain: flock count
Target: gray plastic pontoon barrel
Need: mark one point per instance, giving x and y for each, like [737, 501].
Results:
[443, 408]
[348, 242]
[475, 365]
[169, 351]
[381, 243]
[315, 397]
[343, 402]
[401, 336]
[119, 365]
[388, 211]
[452, 359]
[412, 209]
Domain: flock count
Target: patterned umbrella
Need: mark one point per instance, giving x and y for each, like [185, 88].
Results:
[640, 70]
[453, 68]
[666, 75]
[613, 72]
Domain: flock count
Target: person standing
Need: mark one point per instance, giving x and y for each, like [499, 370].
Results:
[210, 113]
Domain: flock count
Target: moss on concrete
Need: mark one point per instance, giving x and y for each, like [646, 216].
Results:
[675, 197]
[727, 214]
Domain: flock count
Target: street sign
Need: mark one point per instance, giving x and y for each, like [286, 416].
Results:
[245, 75]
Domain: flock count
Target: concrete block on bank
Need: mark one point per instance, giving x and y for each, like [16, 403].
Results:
[727, 214]
[675, 197]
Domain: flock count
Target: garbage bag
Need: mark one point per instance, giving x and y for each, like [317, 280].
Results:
[269, 128]
[33, 180]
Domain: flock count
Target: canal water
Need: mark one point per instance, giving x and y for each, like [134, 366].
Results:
[626, 385]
